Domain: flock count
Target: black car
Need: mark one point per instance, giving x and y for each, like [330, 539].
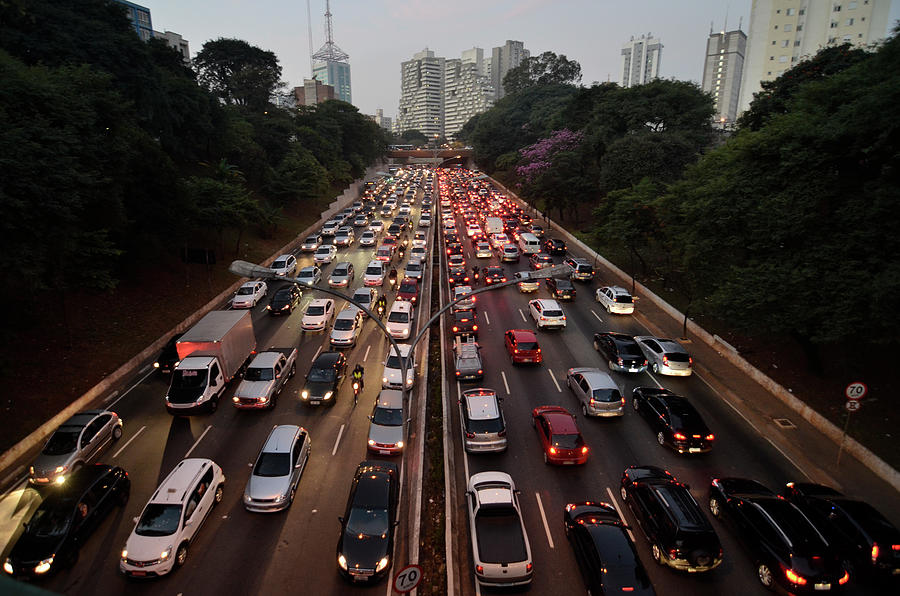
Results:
[168, 358]
[324, 378]
[620, 351]
[674, 419]
[367, 527]
[454, 248]
[464, 323]
[560, 288]
[458, 276]
[866, 540]
[679, 534]
[788, 549]
[65, 519]
[605, 554]
[493, 275]
[554, 246]
[284, 300]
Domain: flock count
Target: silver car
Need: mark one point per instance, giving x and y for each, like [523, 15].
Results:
[311, 275]
[414, 269]
[469, 365]
[387, 424]
[342, 276]
[346, 328]
[483, 424]
[666, 356]
[277, 471]
[311, 243]
[78, 440]
[367, 297]
[598, 393]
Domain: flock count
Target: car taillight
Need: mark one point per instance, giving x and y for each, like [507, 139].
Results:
[479, 569]
[457, 373]
[895, 547]
[680, 437]
[645, 362]
[875, 552]
[543, 318]
[844, 579]
[673, 553]
[474, 327]
[455, 328]
[515, 350]
[584, 449]
[665, 361]
[622, 401]
[470, 435]
[690, 361]
[502, 433]
[529, 566]
[710, 437]
[794, 578]
[621, 362]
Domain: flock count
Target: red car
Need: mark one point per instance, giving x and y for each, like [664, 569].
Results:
[385, 253]
[560, 438]
[522, 346]
[408, 290]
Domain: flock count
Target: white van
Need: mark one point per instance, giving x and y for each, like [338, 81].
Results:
[529, 244]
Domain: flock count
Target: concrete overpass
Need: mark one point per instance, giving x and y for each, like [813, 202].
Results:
[433, 157]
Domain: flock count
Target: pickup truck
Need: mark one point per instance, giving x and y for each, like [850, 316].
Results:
[266, 376]
[500, 549]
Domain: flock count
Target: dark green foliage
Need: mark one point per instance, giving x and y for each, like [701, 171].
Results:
[546, 69]
[237, 72]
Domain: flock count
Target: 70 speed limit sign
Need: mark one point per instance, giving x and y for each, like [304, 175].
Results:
[407, 578]
[856, 391]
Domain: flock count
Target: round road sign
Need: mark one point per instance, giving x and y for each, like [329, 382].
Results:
[407, 578]
[855, 391]
[852, 405]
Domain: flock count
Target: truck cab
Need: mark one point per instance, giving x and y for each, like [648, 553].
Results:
[197, 384]
[267, 375]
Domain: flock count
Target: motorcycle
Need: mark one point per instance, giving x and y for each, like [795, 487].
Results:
[392, 279]
[355, 392]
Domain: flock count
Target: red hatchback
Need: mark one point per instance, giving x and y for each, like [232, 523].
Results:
[522, 346]
[408, 290]
[560, 438]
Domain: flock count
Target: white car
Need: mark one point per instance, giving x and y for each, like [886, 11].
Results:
[616, 300]
[311, 243]
[391, 376]
[377, 226]
[414, 269]
[418, 253]
[665, 356]
[472, 229]
[318, 314]
[547, 313]
[346, 328]
[400, 319]
[404, 210]
[465, 303]
[285, 265]
[249, 294]
[311, 275]
[498, 240]
[325, 254]
[420, 240]
[342, 276]
[330, 227]
[169, 522]
[425, 220]
[375, 273]
[483, 250]
[368, 238]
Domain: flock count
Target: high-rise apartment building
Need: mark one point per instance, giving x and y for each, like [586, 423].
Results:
[139, 17]
[722, 72]
[467, 90]
[640, 60]
[421, 94]
[503, 58]
[783, 32]
[176, 42]
[385, 122]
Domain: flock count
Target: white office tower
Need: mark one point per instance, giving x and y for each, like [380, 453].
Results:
[722, 72]
[503, 58]
[467, 91]
[421, 94]
[640, 60]
[783, 32]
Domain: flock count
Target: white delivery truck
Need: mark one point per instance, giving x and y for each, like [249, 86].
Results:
[493, 225]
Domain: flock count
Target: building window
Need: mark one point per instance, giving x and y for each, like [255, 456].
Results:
[802, 12]
[797, 43]
[785, 43]
[771, 57]
[849, 22]
[790, 12]
[837, 8]
[800, 27]
[831, 39]
[834, 24]
[774, 42]
[852, 5]
[776, 27]
[788, 27]
[782, 58]
[847, 38]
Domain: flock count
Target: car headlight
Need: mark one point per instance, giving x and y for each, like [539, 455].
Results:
[382, 564]
[304, 394]
[247, 498]
[163, 556]
[329, 394]
[342, 561]
[124, 554]
[7, 566]
[399, 444]
[60, 469]
[44, 566]
[384, 379]
[280, 498]
[409, 381]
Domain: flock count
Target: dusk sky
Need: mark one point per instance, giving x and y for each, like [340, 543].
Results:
[379, 35]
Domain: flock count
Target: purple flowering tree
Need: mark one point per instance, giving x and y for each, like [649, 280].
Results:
[550, 165]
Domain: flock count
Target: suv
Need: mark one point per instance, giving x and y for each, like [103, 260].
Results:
[465, 323]
[165, 529]
[547, 313]
[582, 270]
[598, 393]
[679, 534]
[620, 351]
[483, 424]
[285, 265]
[616, 300]
[469, 365]
[522, 346]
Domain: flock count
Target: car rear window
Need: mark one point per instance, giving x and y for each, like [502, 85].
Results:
[565, 441]
[606, 395]
[623, 299]
[678, 357]
[527, 345]
[553, 313]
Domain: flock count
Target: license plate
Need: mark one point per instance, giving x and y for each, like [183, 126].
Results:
[694, 450]
[383, 452]
[823, 586]
[315, 402]
[568, 463]
[527, 359]
[139, 573]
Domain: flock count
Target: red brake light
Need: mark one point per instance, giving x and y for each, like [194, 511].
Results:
[844, 579]
[875, 552]
[680, 437]
[794, 578]
[479, 569]
[457, 373]
[455, 328]
[710, 437]
[584, 449]
[474, 327]
[470, 435]
[529, 566]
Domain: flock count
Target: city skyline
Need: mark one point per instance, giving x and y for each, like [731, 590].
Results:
[379, 36]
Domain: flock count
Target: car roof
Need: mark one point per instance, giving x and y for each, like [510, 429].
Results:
[327, 359]
[285, 257]
[524, 334]
[404, 348]
[343, 264]
[81, 418]
[348, 312]
[281, 439]
[390, 398]
[250, 284]
[320, 302]
[596, 378]
[309, 268]
[561, 422]
[546, 303]
[180, 480]
[401, 305]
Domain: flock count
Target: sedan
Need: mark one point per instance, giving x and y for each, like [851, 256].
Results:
[493, 275]
[408, 290]
[483, 250]
[367, 527]
[64, 520]
[325, 254]
[414, 270]
[540, 260]
[324, 378]
[558, 433]
[456, 261]
[311, 275]
[347, 327]
[458, 276]
[674, 419]
[342, 276]
[77, 441]
[361, 221]
[284, 300]
[311, 243]
[665, 356]
[376, 226]
[554, 246]
[604, 550]
[276, 473]
[367, 297]
[464, 323]
[318, 314]
[249, 294]
[387, 423]
[621, 352]
[560, 288]
[368, 238]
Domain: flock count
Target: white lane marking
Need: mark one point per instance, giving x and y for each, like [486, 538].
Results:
[544, 518]
[552, 376]
[145, 369]
[619, 509]
[487, 319]
[317, 354]
[523, 315]
[596, 315]
[139, 381]
[122, 448]
[366, 355]
[19, 481]
[197, 442]
[112, 396]
[650, 374]
[337, 441]
[505, 384]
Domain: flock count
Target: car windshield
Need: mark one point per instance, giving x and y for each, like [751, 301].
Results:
[388, 416]
[527, 345]
[565, 441]
[374, 270]
[189, 379]
[62, 442]
[606, 395]
[407, 288]
[323, 251]
[414, 267]
[315, 311]
[307, 273]
[245, 291]
[50, 521]
[398, 316]
[393, 361]
[279, 264]
[363, 298]
[321, 375]
[368, 522]
[282, 296]
[272, 464]
[343, 324]
[159, 520]
[311, 240]
[259, 374]
[340, 272]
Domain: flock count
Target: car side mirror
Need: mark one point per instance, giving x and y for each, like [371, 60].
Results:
[135, 519]
[369, 417]
[188, 523]
[341, 518]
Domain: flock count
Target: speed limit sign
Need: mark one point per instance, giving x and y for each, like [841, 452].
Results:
[407, 578]
[856, 391]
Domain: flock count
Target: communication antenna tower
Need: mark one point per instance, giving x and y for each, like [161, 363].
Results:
[330, 51]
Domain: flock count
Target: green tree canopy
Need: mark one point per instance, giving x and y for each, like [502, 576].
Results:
[546, 69]
[237, 72]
